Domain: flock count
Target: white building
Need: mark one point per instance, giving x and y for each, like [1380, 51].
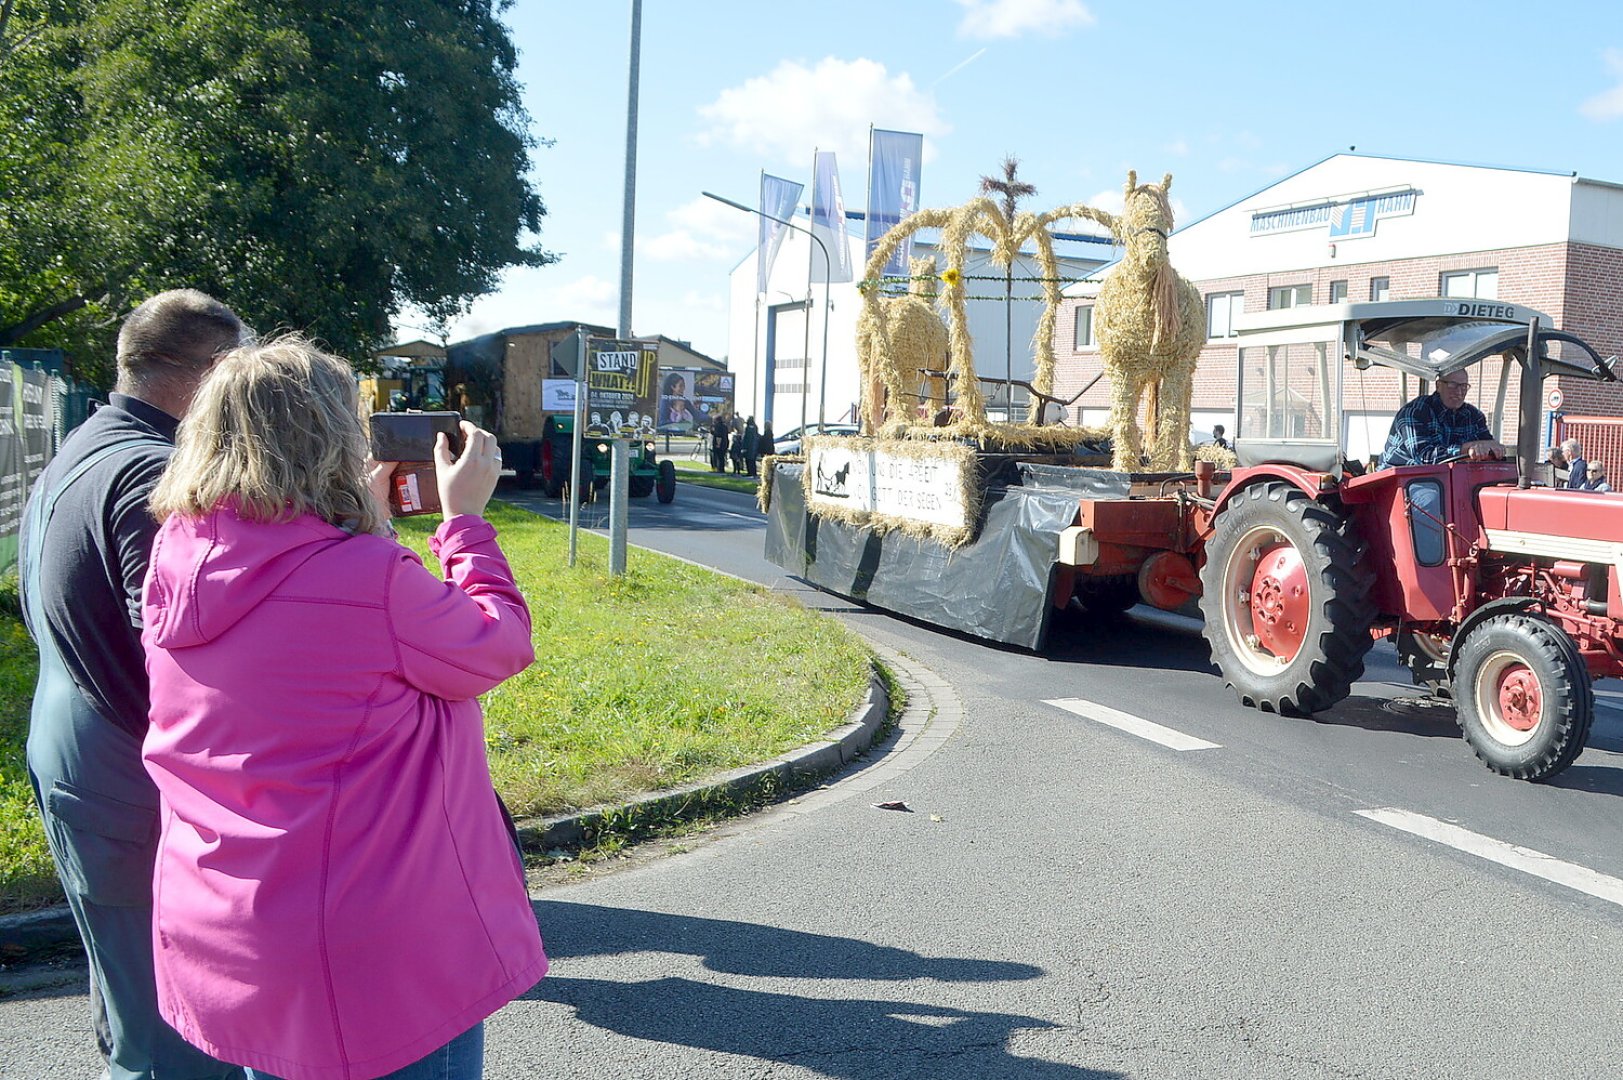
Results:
[1357, 227]
[777, 354]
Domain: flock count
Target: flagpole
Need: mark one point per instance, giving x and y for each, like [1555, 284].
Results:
[811, 263]
[755, 368]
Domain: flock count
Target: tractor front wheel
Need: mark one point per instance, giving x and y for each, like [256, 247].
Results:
[1285, 596]
[1524, 696]
[665, 483]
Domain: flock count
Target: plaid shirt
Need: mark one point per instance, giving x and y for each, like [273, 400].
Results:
[1424, 432]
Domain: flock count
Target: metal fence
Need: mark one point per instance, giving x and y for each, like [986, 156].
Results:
[39, 405]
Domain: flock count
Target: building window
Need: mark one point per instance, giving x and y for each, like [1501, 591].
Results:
[1222, 309]
[1475, 284]
[1084, 328]
[1338, 292]
[1289, 296]
[1380, 288]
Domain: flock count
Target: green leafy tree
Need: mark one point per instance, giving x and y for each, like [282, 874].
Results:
[315, 165]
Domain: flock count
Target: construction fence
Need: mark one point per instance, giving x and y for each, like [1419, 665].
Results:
[39, 405]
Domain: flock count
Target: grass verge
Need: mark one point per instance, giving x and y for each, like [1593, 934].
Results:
[698, 472]
[645, 682]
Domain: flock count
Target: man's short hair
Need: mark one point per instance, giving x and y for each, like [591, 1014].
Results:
[1572, 448]
[175, 334]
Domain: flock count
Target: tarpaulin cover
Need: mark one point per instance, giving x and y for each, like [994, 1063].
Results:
[996, 586]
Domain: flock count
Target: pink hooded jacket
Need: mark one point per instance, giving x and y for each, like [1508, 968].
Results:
[336, 893]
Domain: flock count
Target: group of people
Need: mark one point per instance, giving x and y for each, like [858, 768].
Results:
[256, 741]
[743, 444]
[1573, 471]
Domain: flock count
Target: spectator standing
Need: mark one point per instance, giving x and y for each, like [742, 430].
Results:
[718, 444]
[1558, 462]
[337, 891]
[86, 539]
[752, 447]
[1577, 467]
[1218, 439]
[768, 444]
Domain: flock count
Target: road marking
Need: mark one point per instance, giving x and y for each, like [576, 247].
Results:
[1573, 876]
[1133, 725]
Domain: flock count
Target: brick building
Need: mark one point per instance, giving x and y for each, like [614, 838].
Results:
[1355, 227]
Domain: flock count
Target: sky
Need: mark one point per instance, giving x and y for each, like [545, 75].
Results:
[1227, 98]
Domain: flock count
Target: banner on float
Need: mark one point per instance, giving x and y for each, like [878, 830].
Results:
[779, 197]
[894, 159]
[828, 220]
[851, 479]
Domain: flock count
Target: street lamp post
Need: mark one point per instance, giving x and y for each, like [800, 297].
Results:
[822, 388]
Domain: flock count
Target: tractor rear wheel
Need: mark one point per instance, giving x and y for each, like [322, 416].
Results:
[1524, 696]
[641, 486]
[665, 483]
[1285, 599]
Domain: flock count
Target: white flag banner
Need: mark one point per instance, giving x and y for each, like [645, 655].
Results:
[778, 200]
[828, 220]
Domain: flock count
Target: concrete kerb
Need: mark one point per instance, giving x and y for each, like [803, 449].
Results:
[35, 933]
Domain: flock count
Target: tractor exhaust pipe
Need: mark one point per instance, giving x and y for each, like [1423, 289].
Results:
[1527, 431]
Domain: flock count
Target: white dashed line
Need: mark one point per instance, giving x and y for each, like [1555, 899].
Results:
[1133, 725]
[1528, 861]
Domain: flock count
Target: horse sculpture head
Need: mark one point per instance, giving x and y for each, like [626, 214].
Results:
[1146, 221]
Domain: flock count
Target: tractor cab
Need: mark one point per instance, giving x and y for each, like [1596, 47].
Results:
[1316, 385]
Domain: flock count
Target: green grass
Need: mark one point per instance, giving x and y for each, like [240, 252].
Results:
[648, 681]
[698, 472]
[26, 877]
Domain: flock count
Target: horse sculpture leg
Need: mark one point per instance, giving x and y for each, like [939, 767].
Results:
[1170, 453]
[1125, 391]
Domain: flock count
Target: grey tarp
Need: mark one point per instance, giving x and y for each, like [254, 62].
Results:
[996, 586]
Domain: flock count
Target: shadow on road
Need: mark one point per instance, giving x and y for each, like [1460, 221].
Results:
[855, 1038]
[1416, 714]
[1122, 641]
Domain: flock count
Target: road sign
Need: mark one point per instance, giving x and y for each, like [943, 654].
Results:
[1555, 397]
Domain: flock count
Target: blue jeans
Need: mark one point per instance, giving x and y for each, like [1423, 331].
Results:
[463, 1058]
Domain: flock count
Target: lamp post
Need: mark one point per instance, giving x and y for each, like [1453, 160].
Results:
[822, 388]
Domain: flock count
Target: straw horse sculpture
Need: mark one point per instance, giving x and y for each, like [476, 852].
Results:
[1150, 323]
[910, 333]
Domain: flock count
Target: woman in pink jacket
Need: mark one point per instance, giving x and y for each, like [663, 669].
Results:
[336, 894]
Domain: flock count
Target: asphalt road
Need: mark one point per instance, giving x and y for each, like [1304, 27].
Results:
[1071, 896]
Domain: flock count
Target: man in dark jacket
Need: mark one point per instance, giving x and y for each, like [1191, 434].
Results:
[752, 446]
[85, 540]
[718, 444]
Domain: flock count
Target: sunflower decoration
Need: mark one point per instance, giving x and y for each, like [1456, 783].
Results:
[952, 276]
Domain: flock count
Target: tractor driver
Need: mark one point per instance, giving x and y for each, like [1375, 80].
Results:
[1440, 425]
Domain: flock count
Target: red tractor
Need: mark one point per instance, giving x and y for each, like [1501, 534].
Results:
[1496, 586]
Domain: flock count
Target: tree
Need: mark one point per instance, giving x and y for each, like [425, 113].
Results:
[315, 165]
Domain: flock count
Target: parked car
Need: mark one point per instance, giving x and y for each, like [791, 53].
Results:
[789, 441]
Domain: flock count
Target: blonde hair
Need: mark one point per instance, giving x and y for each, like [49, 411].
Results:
[275, 429]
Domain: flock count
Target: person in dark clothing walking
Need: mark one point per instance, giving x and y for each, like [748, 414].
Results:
[752, 447]
[718, 444]
[85, 541]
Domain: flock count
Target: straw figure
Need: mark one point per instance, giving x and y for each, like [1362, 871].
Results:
[1150, 323]
[905, 339]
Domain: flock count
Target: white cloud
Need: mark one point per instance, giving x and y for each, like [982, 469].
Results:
[1177, 148]
[1011, 18]
[1608, 104]
[796, 109]
[701, 229]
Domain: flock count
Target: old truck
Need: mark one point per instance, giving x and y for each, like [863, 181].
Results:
[1491, 582]
[519, 383]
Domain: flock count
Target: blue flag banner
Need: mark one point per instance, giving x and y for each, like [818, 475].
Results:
[894, 159]
[828, 219]
[778, 200]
